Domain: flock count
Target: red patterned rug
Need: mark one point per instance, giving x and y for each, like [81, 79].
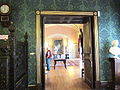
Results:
[69, 62]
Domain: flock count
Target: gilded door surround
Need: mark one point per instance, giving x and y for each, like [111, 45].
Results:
[39, 37]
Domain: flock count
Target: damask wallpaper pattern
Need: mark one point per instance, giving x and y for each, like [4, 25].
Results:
[23, 16]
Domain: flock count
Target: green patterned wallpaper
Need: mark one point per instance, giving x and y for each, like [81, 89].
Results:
[23, 16]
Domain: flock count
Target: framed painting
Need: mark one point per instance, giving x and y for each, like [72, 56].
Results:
[58, 46]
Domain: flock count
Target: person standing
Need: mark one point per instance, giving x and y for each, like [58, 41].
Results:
[48, 58]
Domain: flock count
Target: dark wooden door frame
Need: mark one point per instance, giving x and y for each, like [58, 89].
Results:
[40, 41]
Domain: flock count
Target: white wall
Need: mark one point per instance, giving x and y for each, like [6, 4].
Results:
[69, 36]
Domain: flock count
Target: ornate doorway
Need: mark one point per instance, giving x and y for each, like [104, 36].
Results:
[94, 65]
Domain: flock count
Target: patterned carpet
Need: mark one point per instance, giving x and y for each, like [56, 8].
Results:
[70, 62]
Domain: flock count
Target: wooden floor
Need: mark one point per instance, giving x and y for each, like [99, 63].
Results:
[65, 79]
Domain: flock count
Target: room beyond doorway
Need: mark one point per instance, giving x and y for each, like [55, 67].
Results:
[67, 35]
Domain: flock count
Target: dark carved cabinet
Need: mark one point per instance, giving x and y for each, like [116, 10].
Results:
[4, 64]
[13, 64]
[117, 72]
[115, 68]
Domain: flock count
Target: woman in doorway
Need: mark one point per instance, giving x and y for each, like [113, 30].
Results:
[48, 58]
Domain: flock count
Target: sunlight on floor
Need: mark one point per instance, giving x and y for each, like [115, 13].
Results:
[71, 71]
[65, 79]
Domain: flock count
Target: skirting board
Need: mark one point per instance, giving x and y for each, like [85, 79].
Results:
[104, 85]
[32, 87]
[35, 87]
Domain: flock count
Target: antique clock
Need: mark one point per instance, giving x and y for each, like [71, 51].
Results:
[5, 14]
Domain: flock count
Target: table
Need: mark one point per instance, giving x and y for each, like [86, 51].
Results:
[63, 60]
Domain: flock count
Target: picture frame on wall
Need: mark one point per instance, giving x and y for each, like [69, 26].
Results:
[58, 46]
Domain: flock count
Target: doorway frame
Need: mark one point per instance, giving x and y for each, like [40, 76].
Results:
[39, 41]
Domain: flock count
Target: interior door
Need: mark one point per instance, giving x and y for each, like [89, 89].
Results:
[88, 52]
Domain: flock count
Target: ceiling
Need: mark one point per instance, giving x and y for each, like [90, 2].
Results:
[54, 19]
[75, 27]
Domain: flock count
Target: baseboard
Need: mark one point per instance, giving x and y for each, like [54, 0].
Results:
[35, 87]
[32, 87]
[107, 85]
